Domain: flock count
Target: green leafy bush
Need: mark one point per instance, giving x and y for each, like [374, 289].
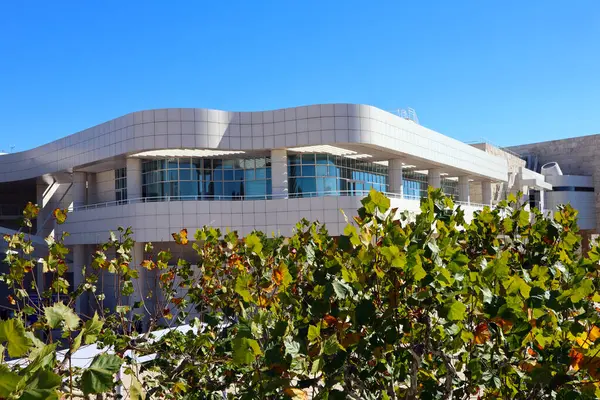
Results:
[397, 307]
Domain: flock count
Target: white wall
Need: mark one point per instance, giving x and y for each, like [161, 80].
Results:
[105, 187]
[583, 202]
[154, 222]
[176, 128]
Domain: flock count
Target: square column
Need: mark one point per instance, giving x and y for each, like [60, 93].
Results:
[463, 189]
[134, 178]
[79, 189]
[279, 174]
[434, 178]
[78, 278]
[92, 188]
[486, 193]
[395, 182]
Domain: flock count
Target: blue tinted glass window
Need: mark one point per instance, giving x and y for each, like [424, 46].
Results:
[308, 170]
[308, 158]
[217, 188]
[189, 188]
[322, 170]
[305, 185]
[256, 189]
[233, 189]
[185, 175]
[321, 158]
[185, 163]
[188, 177]
[261, 173]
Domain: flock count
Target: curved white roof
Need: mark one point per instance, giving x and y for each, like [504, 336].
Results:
[363, 129]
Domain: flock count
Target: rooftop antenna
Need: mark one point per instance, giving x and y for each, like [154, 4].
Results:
[412, 115]
[409, 114]
[12, 148]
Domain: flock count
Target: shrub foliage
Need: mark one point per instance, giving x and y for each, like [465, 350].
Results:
[398, 307]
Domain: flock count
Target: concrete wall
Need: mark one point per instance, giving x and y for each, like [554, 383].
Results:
[105, 187]
[576, 156]
[500, 189]
[154, 222]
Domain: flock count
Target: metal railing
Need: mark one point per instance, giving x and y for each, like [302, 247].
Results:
[335, 193]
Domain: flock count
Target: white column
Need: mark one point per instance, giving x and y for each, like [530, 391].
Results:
[463, 189]
[139, 285]
[134, 178]
[78, 263]
[279, 173]
[92, 196]
[395, 183]
[434, 178]
[79, 189]
[486, 192]
[40, 189]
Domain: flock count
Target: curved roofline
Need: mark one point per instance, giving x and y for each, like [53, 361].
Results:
[368, 127]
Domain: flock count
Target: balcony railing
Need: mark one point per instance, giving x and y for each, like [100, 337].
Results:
[337, 193]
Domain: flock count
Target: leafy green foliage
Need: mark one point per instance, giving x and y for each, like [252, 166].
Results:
[12, 332]
[400, 306]
[99, 377]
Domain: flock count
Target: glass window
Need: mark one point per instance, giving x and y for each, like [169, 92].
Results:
[307, 158]
[256, 189]
[308, 170]
[232, 189]
[261, 173]
[328, 174]
[322, 170]
[185, 174]
[321, 158]
[293, 160]
[188, 188]
[121, 184]
[188, 178]
[185, 163]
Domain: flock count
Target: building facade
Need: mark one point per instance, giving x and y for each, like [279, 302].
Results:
[160, 171]
[573, 168]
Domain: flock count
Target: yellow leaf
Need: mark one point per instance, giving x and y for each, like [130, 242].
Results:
[181, 237]
[179, 387]
[148, 264]
[594, 333]
[576, 359]
[60, 216]
[295, 393]
[183, 234]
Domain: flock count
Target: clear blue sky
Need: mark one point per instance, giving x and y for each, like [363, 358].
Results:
[509, 71]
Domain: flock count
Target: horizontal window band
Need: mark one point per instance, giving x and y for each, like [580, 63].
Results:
[572, 189]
